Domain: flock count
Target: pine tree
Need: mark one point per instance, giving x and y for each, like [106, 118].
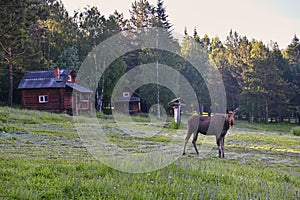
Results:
[293, 56]
[293, 51]
[19, 33]
[194, 51]
[69, 59]
[196, 36]
[161, 16]
[142, 14]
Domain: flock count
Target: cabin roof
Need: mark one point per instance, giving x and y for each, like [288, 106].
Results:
[78, 88]
[44, 79]
[129, 99]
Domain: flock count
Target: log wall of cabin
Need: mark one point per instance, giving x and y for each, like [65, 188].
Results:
[59, 99]
[56, 99]
[127, 107]
[68, 98]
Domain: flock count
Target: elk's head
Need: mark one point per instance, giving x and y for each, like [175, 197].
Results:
[230, 117]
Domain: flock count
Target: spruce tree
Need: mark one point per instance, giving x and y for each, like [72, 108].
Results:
[161, 16]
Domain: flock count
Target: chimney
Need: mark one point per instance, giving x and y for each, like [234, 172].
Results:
[56, 73]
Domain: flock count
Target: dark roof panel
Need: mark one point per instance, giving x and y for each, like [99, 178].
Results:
[129, 99]
[78, 88]
[40, 83]
[44, 79]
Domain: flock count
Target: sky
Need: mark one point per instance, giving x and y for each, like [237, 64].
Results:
[265, 20]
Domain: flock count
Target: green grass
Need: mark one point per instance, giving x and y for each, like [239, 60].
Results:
[188, 178]
[24, 116]
[296, 131]
[271, 127]
[19, 120]
[41, 157]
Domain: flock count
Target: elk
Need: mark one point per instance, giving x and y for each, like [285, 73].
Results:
[217, 125]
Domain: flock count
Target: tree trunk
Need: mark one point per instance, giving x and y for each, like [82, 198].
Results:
[98, 101]
[11, 86]
[252, 114]
[267, 112]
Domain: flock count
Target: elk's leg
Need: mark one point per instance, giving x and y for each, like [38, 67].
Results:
[189, 133]
[222, 145]
[219, 143]
[194, 142]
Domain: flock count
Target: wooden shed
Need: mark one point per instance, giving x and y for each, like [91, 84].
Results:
[54, 90]
[129, 102]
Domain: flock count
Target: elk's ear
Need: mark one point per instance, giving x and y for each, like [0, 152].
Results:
[236, 110]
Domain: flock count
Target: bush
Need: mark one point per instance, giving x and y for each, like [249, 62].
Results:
[174, 124]
[102, 115]
[296, 131]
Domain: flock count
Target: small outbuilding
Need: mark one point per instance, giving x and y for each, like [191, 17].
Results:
[54, 90]
[129, 102]
[176, 105]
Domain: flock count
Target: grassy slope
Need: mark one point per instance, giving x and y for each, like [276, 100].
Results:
[42, 157]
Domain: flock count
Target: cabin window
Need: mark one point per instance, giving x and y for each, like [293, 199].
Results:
[69, 78]
[43, 98]
[84, 98]
[125, 94]
[84, 104]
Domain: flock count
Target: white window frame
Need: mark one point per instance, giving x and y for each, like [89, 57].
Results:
[126, 94]
[84, 99]
[84, 104]
[43, 98]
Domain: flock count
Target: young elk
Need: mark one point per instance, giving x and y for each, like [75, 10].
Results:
[217, 125]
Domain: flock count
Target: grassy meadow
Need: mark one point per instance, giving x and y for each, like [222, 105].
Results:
[42, 157]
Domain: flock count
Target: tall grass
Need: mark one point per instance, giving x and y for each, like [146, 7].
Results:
[187, 178]
[22, 120]
[24, 116]
[275, 127]
[296, 131]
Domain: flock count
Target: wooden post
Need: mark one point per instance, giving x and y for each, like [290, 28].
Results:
[176, 109]
[176, 104]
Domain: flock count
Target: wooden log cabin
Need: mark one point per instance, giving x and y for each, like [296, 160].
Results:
[54, 90]
[129, 102]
